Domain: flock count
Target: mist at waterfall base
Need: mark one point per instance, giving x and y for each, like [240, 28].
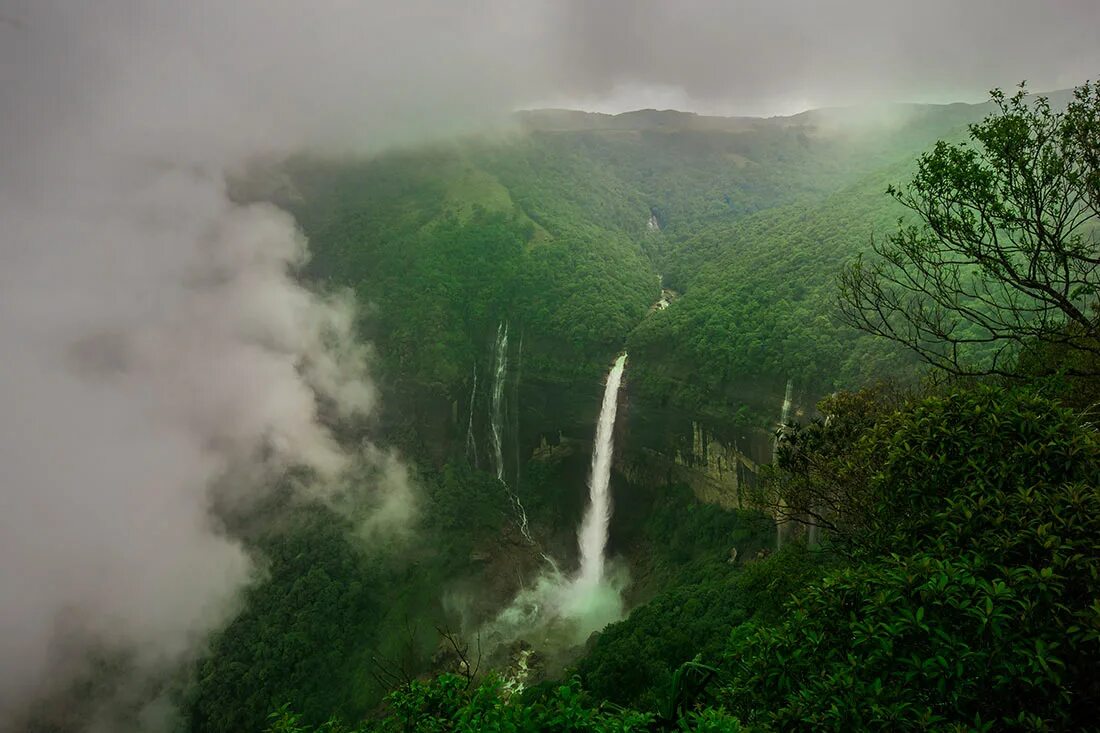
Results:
[562, 610]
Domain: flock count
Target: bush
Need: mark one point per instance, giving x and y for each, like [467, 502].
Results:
[987, 613]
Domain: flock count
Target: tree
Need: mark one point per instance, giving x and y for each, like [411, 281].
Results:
[822, 473]
[974, 604]
[1082, 121]
[1004, 255]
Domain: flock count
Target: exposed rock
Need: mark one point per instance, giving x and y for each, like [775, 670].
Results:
[524, 668]
[716, 471]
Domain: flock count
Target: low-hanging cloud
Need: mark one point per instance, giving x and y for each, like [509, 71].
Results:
[154, 337]
[765, 57]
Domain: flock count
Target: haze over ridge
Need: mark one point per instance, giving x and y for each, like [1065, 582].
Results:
[156, 338]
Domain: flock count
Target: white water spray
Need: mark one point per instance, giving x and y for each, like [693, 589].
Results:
[569, 608]
[592, 537]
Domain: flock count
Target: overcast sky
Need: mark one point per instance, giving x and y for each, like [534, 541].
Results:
[153, 337]
[419, 65]
[783, 56]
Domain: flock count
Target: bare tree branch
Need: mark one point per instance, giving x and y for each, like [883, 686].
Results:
[1004, 255]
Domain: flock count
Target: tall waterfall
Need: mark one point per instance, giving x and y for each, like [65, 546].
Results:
[592, 537]
[496, 417]
[571, 607]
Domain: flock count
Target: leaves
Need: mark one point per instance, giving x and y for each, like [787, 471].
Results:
[1004, 259]
[973, 584]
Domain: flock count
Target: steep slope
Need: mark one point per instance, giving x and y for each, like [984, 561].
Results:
[758, 305]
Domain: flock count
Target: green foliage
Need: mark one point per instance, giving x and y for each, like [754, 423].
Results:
[326, 608]
[1003, 253]
[691, 540]
[297, 637]
[759, 304]
[822, 474]
[446, 705]
[980, 471]
[444, 251]
[984, 616]
[959, 585]
[634, 662]
[548, 230]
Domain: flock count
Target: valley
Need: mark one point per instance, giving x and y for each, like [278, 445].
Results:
[552, 366]
[501, 279]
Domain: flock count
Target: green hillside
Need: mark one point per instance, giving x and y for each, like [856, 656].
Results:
[548, 229]
[921, 555]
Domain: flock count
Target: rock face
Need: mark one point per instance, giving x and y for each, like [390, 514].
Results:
[717, 472]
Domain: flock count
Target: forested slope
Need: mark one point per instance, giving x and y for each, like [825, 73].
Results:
[549, 230]
[759, 301]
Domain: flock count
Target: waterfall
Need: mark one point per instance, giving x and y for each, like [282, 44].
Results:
[813, 535]
[471, 444]
[572, 607]
[496, 420]
[592, 536]
[496, 417]
[514, 414]
[786, 411]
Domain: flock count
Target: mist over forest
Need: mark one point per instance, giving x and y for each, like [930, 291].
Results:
[549, 366]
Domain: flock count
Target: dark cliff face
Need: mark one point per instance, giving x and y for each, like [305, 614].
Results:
[655, 445]
[717, 452]
[663, 445]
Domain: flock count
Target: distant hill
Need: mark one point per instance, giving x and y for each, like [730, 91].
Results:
[564, 228]
[670, 120]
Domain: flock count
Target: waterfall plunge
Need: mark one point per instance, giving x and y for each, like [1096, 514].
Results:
[570, 608]
[592, 537]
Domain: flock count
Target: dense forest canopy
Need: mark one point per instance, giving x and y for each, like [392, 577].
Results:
[550, 229]
[939, 562]
[549, 366]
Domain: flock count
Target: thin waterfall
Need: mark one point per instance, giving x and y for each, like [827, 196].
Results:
[592, 536]
[496, 417]
[813, 535]
[496, 420]
[784, 413]
[514, 411]
[471, 443]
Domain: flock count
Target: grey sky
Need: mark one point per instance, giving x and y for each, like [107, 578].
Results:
[782, 56]
[152, 338]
